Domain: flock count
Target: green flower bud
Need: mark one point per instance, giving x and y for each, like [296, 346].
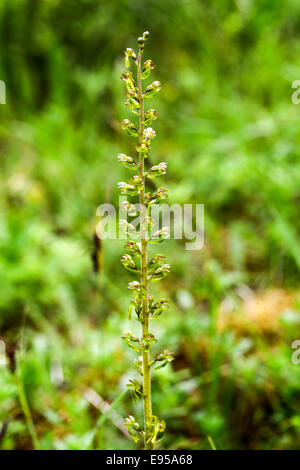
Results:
[133, 248]
[132, 211]
[134, 102]
[162, 193]
[157, 197]
[157, 170]
[160, 273]
[135, 304]
[129, 127]
[141, 41]
[147, 67]
[152, 89]
[148, 64]
[139, 364]
[136, 389]
[146, 35]
[134, 429]
[149, 134]
[132, 107]
[147, 340]
[143, 147]
[135, 286]
[156, 428]
[164, 358]
[155, 262]
[156, 308]
[127, 162]
[127, 189]
[130, 53]
[127, 228]
[136, 180]
[127, 77]
[160, 236]
[150, 115]
[132, 341]
[129, 264]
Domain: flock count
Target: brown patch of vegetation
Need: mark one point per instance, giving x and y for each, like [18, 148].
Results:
[259, 312]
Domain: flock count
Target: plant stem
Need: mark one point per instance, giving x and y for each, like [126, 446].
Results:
[25, 408]
[144, 273]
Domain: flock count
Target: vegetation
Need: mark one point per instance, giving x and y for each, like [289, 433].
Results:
[230, 135]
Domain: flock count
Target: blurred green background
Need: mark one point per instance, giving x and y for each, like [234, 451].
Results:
[230, 135]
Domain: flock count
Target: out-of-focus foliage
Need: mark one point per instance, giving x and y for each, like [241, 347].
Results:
[230, 136]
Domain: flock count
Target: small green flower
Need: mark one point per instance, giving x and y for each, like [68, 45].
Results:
[152, 89]
[143, 147]
[147, 67]
[131, 209]
[147, 340]
[156, 429]
[156, 308]
[149, 134]
[160, 273]
[138, 363]
[157, 196]
[136, 389]
[127, 162]
[129, 82]
[134, 429]
[135, 305]
[129, 127]
[129, 263]
[132, 341]
[127, 189]
[164, 358]
[160, 235]
[129, 53]
[141, 41]
[157, 170]
[133, 248]
[132, 106]
[135, 286]
[127, 228]
[156, 262]
[150, 115]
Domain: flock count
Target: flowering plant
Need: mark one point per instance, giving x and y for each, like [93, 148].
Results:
[136, 259]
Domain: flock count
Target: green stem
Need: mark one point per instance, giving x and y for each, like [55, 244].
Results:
[144, 273]
[25, 407]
